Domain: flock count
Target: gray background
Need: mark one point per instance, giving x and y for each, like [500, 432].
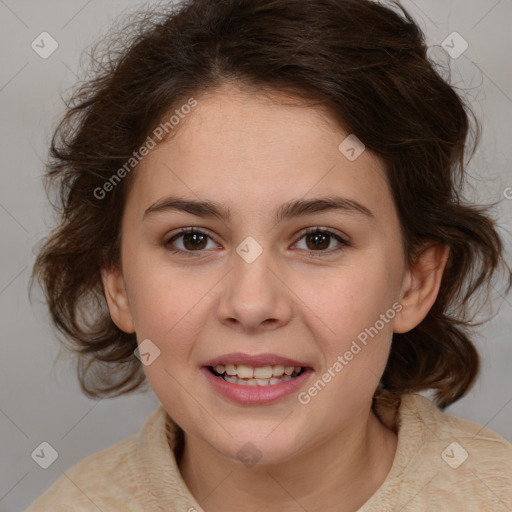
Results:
[40, 399]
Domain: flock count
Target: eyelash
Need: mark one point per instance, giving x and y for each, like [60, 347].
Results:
[343, 243]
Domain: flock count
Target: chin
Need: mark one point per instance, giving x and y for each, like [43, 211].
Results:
[251, 450]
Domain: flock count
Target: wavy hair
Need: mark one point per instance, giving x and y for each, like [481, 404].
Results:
[367, 63]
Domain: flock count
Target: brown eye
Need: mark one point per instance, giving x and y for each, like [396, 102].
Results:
[193, 240]
[320, 240]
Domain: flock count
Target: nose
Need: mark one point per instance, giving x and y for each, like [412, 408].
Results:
[254, 297]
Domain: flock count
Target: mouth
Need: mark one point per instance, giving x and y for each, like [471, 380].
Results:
[246, 375]
[255, 379]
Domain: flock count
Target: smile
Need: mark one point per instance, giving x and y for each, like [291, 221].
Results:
[245, 375]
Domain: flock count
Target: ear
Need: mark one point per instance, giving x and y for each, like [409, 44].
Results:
[421, 286]
[117, 299]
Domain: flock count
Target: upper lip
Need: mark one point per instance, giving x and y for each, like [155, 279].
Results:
[256, 360]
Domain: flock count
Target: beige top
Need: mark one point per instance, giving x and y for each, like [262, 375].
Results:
[442, 463]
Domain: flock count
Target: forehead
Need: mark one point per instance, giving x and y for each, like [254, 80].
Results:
[249, 150]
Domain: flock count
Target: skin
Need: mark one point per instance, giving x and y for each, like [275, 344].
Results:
[253, 152]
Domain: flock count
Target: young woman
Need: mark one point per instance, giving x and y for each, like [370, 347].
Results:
[261, 219]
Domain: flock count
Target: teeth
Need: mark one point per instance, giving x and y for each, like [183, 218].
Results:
[259, 376]
[233, 379]
[277, 370]
[244, 372]
[230, 369]
[263, 372]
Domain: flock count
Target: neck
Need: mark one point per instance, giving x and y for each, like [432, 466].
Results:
[345, 469]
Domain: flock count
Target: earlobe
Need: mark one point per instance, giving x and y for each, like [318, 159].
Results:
[117, 299]
[421, 287]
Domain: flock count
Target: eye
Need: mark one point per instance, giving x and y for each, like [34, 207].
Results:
[194, 240]
[318, 240]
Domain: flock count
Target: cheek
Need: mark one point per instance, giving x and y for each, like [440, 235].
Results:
[351, 299]
[171, 312]
[353, 319]
[168, 305]
[359, 314]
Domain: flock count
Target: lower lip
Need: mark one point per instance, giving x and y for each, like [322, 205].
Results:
[251, 395]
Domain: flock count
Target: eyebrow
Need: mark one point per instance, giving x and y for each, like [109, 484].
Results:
[288, 210]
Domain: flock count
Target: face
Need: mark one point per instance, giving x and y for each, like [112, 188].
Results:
[273, 284]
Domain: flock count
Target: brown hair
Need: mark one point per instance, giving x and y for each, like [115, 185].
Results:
[367, 63]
